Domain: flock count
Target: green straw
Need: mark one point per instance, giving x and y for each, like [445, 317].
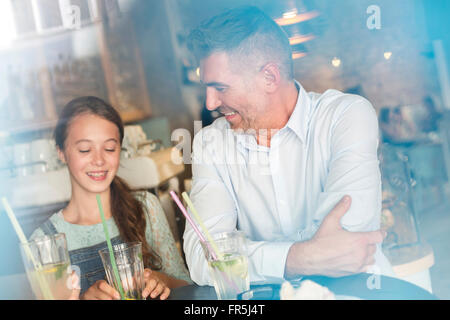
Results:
[37, 266]
[111, 252]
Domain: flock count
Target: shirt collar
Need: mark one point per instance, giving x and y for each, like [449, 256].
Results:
[299, 119]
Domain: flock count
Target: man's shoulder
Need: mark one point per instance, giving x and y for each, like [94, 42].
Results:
[335, 98]
[214, 143]
[214, 132]
[337, 102]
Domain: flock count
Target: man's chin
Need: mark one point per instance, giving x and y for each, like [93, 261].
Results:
[237, 125]
[237, 128]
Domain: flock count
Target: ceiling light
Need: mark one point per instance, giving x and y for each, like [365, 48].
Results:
[300, 39]
[298, 55]
[290, 14]
[336, 62]
[298, 17]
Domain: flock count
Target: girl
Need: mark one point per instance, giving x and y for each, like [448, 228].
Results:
[88, 137]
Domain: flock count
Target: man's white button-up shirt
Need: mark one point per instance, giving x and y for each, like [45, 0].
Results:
[280, 194]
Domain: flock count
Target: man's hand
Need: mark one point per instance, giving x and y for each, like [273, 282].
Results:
[333, 251]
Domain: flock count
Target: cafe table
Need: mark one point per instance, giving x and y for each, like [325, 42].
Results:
[355, 287]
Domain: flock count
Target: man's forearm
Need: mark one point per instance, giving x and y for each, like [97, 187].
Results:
[333, 251]
[299, 261]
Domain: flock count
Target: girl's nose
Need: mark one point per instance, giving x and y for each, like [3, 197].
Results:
[98, 159]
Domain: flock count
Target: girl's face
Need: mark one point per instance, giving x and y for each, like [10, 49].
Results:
[92, 153]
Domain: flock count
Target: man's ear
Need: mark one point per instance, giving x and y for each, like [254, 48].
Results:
[272, 77]
[61, 155]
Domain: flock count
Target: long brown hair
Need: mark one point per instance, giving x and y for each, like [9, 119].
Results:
[127, 211]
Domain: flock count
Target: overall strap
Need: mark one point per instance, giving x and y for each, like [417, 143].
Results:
[48, 228]
[87, 260]
[95, 248]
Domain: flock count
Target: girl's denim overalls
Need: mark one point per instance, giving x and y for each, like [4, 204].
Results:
[86, 259]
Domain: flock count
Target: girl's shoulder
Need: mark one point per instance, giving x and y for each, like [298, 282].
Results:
[148, 199]
[144, 196]
[49, 226]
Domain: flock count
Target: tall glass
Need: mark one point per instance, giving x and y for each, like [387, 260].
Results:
[229, 273]
[130, 267]
[47, 264]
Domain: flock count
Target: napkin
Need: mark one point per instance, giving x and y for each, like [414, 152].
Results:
[308, 290]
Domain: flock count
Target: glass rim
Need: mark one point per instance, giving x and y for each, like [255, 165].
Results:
[44, 238]
[121, 246]
[223, 235]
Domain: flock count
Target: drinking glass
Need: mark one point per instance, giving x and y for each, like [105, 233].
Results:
[130, 267]
[47, 264]
[229, 272]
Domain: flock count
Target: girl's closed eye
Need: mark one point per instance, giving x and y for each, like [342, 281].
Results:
[110, 147]
[84, 151]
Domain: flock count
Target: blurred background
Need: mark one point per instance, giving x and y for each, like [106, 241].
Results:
[133, 54]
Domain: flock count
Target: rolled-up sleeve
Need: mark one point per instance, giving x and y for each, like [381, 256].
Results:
[354, 170]
[354, 167]
[267, 260]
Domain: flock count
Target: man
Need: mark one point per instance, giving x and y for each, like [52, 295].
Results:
[281, 161]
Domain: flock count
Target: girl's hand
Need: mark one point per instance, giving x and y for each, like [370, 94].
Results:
[101, 290]
[154, 285]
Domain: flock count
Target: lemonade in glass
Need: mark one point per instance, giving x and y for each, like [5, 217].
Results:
[47, 264]
[228, 270]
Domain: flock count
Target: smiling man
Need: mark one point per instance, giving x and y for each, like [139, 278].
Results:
[296, 171]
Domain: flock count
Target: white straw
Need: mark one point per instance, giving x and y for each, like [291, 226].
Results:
[200, 222]
[19, 232]
[37, 266]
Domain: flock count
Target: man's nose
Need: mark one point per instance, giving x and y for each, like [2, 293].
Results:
[212, 99]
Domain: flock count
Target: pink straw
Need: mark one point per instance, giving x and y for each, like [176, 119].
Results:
[200, 235]
[189, 219]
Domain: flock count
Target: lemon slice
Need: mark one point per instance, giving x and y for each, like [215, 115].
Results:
[50, 270]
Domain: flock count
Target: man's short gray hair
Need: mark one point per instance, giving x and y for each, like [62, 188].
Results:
[248, 35]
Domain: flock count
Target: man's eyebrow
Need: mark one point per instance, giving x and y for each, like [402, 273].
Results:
[215, 84]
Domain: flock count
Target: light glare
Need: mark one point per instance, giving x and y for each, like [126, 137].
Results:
[7, 28]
